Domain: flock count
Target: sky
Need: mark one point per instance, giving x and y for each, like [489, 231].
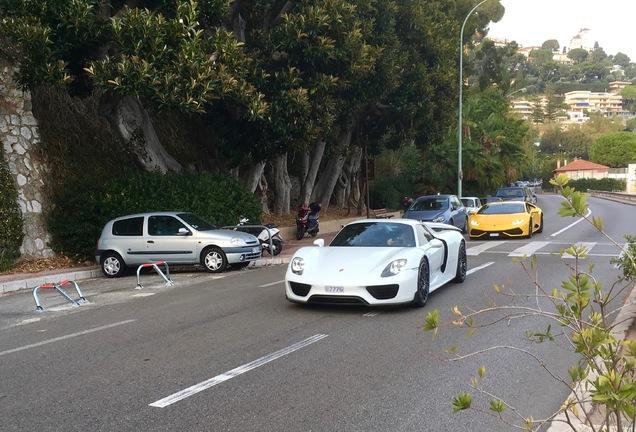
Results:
[532, 22]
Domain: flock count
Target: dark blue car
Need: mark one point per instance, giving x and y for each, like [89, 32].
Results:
[446, 209]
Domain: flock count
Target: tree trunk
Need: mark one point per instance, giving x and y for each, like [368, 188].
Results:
[324, 188]
[309, 179]
[347, 179]
[281, 184]
[252, 176]
[128, 117]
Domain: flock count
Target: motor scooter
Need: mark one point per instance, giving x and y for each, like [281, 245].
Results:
[307, 221]
[263, 235]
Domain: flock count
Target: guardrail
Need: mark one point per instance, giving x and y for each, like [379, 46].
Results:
[614, 196]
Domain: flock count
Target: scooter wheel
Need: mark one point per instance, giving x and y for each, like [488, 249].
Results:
[314, 234]
[300, 233]
[278, 247]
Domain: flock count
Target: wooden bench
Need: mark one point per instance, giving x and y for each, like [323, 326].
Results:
[381, 214]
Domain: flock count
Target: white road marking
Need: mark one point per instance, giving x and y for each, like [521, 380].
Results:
[481, 267]
[587, 245]
[72, 335]
[372, 314]
[476, 250]
[528, 249]
[589, 212]
[144, 294]
[176, 397]
[272, 283]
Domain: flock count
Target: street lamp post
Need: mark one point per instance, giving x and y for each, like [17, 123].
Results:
[460, 175]
[521, 90]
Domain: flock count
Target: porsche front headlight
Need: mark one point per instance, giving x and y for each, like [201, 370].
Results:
[394, 267]
[297, 265]
[439, 219]
[517, 222]
[474, 222]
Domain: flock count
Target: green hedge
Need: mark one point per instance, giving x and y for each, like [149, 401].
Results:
[11, 223]
[81, 209]
[605, 184]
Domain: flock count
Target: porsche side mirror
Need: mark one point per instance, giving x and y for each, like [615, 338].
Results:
[319, 242]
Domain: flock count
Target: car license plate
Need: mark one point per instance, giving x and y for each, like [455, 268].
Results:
[334, 289]
[494, 234]
[256, 249]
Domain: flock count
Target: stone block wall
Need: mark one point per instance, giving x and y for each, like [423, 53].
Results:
[19, 137]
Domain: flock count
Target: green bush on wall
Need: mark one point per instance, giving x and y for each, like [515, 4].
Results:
[11, 223]
[81, 209]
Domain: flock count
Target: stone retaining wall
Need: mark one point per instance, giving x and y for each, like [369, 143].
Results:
[19, 137]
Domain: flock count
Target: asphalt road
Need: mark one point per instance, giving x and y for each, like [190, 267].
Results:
[229, 353]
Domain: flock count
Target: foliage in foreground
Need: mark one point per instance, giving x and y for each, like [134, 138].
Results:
[582, 321]
[11, 225]
[80, 209]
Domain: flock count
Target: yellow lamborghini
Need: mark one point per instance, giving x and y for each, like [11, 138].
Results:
[505, 219]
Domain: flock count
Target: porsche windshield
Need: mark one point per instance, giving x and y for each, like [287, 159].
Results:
[374, 234]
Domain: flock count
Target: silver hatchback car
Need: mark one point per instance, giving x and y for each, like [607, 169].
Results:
[173, 237]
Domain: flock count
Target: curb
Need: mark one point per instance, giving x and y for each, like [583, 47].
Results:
[32, 282]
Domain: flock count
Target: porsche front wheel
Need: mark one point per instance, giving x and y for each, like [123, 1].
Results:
[530, 229]
[540, 230]
[423, 285]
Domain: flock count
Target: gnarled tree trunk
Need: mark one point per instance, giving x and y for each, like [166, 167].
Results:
[309, 178]
[281, 184]
[324, 188]
[130, 119]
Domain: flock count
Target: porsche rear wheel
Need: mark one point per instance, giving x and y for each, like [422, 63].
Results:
[462, 264]
[423, 285]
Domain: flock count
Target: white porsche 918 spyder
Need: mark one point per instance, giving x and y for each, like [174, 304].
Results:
[378, 262]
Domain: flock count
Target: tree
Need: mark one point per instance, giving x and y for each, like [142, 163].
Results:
[551, 44]
[622, 59]
[631, 124]
[578, 55]
[616, 150]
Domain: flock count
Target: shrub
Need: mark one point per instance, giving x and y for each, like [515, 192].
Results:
[604, 184]
[11, 224]
[80, 209]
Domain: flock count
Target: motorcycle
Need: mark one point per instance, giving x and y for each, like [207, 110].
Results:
[263, 235]
[307, 221]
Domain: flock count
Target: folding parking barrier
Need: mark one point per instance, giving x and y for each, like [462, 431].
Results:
[58, 288]
[155, 265]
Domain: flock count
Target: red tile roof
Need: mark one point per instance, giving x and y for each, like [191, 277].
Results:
[581, 165]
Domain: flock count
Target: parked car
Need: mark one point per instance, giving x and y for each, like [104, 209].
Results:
[471, 203]
[173, 237]
[516, 193]
[505, 219]
[378, 262]
[446, 209]
[489, 199]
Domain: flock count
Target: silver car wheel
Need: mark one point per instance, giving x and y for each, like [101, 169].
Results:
[214, 260]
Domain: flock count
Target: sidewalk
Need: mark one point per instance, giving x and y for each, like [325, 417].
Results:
[20, 281]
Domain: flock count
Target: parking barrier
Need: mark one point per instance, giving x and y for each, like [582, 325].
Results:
[58, 288]
[155, 265]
